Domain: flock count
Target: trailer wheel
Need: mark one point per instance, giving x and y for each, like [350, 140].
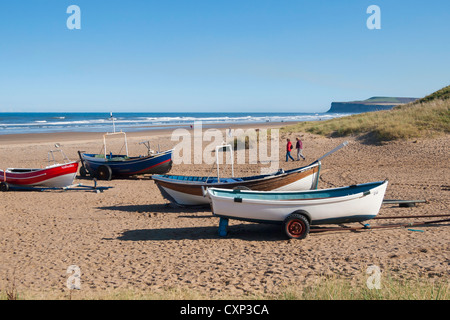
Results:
[83, 171]
[4, 186]
[104, 172]
[296, 226]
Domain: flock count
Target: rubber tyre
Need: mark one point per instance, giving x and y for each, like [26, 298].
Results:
[4, 187]
[83, 171]
[104, 172]
[296, 226]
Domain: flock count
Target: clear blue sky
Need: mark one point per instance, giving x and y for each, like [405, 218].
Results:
[218, 55]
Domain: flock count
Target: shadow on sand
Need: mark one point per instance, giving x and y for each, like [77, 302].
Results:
[158, 208]
[248, 232]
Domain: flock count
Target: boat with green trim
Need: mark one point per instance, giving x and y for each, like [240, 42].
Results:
[297, 210]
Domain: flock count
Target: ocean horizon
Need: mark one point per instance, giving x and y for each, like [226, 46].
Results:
[51, 122]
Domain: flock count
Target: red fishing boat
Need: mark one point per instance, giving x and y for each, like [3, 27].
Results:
[56, 175]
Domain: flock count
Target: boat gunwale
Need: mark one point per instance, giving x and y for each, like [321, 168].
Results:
[88, 157]
[233, 194]
[35, 172]
[158, 178]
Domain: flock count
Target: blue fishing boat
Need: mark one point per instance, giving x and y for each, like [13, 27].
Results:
[106, 166]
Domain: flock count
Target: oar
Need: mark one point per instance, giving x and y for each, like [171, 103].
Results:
[334, 150]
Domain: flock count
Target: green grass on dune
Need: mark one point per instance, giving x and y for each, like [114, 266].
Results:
[331, 287]
[427, 117]
[442, 94]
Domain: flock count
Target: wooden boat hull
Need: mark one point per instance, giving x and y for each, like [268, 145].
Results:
[129, 166]
[326, 206]
[55, 176]
[187, 191]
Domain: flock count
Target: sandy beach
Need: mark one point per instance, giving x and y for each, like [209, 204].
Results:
[130, 238]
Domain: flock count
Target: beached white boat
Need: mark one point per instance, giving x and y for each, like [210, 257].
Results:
[298, 210]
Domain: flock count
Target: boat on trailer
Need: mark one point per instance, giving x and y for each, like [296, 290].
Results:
[297, 210]
[56, 175]
[106, 166]
[190, 190]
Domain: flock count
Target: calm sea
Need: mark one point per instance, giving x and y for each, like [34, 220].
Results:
[14, 123]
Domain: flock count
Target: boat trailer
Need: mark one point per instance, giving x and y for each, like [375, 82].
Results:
[401, 203]
[4, 186]
[223, 223]
[404, 203]
[387, 226]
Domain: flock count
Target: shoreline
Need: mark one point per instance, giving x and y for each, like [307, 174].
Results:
[49, 137]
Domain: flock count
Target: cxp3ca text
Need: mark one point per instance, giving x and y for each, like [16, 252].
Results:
[245, 309]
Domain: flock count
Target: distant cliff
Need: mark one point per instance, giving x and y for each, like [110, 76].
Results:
[371, 104]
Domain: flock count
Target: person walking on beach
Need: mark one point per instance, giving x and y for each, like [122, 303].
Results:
[288, 150]
[299, 147]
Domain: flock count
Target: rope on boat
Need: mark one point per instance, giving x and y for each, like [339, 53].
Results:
[209, 173]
